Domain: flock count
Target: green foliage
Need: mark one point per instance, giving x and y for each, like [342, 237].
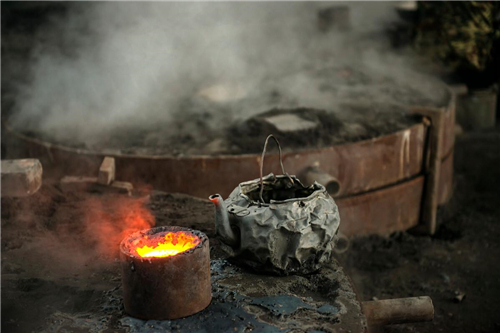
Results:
[461, 34]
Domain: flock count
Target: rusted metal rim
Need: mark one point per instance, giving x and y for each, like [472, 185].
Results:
[113, 153]
[350, 168]
[357, 167]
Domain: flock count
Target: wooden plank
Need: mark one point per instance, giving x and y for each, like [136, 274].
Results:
[76, 183]
[82, 183]
[122, 187]
[107, 171]
[21, 177]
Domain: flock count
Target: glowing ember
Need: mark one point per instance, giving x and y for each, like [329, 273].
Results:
[175, 242]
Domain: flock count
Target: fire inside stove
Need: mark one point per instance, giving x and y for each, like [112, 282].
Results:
[168, 245]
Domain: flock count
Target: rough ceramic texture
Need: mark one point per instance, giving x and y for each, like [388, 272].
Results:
[294, 235]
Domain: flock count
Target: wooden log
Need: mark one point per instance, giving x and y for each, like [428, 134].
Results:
[107, 171]
[21, 178]
[398, 310]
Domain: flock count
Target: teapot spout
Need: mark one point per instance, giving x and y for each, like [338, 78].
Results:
[222, 226]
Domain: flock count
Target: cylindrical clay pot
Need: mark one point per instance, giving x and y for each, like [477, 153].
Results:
[165, 288]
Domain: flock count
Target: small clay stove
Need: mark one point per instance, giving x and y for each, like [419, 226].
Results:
[166, 273]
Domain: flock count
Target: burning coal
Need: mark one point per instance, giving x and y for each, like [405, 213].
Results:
[171, 244]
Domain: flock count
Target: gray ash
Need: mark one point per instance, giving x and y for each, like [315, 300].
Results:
[249, 135]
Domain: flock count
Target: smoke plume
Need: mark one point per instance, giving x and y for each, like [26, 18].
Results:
[105, 67]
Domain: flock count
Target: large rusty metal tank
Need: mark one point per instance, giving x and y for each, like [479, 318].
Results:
[378, 183]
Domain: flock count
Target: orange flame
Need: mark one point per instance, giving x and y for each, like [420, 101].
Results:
[175, 243]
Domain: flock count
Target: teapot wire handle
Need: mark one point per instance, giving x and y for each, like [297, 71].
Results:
[262, 164]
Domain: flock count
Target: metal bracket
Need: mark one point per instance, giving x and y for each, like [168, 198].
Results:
[433, 167]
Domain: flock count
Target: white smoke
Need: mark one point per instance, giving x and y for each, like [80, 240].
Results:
[106, 66]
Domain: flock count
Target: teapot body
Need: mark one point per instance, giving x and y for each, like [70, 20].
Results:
[293, 231]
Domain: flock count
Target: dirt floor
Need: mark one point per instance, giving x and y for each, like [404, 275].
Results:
[460, 260]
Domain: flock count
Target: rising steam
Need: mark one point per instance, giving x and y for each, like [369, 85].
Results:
[108, 66]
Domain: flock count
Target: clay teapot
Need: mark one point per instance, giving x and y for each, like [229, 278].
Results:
[276, 224]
